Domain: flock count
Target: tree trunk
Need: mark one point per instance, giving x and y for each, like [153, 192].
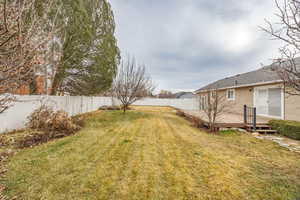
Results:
[56, 82]
[125, 108]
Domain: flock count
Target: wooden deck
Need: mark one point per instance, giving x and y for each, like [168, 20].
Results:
[228, 120]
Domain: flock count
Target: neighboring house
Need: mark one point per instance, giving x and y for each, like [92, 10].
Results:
[262, 89]
[184, 95]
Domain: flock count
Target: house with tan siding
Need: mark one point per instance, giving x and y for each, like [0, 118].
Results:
[262, 89]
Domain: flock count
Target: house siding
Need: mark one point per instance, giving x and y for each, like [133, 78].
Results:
[243, 96]
[292, 107]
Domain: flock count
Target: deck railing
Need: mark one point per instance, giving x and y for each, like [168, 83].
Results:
[250, 116]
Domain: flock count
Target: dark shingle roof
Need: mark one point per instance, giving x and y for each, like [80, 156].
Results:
[187, 95]
[260, 76]
[183, 95]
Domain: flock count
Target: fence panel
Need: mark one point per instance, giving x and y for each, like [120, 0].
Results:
[16, 116]
[185, 104]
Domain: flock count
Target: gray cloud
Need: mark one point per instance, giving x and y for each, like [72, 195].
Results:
[187, 44]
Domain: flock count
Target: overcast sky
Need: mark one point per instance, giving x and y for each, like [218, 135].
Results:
[187, 44]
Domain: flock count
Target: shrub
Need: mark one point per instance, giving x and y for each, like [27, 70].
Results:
[4, 155]
[79, 120]
[290, 129]
[48, 120]
[3, 141]
[11, 138]
[197, 122]
[110, 108]
[48, 124]
[35, 138]
[180, 113]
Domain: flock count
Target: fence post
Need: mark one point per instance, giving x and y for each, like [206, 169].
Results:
[254, 119]
[245, 114]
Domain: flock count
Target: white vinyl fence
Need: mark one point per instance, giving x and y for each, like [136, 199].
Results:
[184, 104]
[16, 116]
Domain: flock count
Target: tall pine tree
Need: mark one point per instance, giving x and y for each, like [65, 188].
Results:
[89, 52]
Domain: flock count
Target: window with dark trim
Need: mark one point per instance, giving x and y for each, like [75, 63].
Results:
[231, 94]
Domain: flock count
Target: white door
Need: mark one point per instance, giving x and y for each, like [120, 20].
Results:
[262, 102]
[275, 102]
[268, 102]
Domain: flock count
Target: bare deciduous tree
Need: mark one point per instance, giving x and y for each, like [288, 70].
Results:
[131, 83]
[287, 30]
[25, 35]
[214, 105]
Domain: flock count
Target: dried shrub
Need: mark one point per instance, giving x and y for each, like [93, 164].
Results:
[4, 155]
[79, 120]
[180, 113]
[48, 124]
[45, 119]
[197, 122]
[36, 138]
[110, 108]
[11, 139]
[3, 141]
[8, 139]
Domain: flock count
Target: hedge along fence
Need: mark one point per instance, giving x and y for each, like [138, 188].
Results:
[289, 129]
[16, 116]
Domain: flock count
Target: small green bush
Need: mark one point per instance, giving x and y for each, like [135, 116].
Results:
[229, 132]
[289, 129]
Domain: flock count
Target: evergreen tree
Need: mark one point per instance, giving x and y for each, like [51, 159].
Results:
[90, 55]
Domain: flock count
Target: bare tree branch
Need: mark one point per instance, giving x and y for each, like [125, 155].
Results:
[24, 43]
[215, 104]
[288, 31]
[131, 83]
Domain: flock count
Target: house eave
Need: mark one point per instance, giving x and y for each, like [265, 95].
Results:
[241, 86]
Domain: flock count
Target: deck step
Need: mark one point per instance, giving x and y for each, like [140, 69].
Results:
[259, 126]
[266, 131]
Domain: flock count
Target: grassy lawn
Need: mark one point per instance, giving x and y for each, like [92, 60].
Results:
[150, 153]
